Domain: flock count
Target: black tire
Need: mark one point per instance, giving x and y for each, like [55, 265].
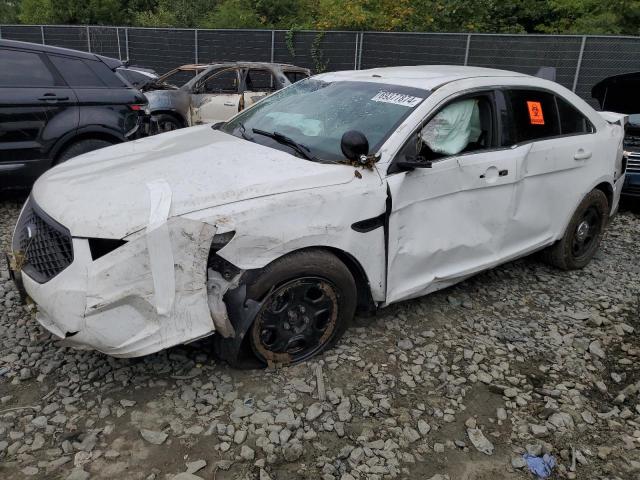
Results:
[583, 235]
[317, 296]
[80, 147]
[164, 122]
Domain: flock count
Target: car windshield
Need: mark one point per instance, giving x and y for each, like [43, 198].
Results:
[315, 114]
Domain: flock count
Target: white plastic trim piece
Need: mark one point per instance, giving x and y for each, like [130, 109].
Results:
[159, 246]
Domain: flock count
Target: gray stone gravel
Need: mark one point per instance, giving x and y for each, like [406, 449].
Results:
[455, 385]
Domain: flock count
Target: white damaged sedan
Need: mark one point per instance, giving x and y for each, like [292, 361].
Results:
[348, 190]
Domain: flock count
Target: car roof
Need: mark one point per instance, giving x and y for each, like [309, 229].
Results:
[426, 77]
[36, 47]
[202, 66]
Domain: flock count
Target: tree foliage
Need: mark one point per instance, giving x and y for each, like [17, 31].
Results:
[506, 16]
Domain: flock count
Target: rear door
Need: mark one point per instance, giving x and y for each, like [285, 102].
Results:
[216, 98]
[555, 174]
[36, 108]
[258, 84]
[104, 100]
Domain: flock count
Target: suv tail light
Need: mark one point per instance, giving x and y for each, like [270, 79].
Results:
[137, 108]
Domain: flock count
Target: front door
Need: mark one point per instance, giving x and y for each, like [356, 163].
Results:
[217, 98]
[448, 221]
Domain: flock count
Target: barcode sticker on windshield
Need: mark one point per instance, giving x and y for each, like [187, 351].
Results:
[396, 98]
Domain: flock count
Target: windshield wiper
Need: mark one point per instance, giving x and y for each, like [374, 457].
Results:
[290, 142]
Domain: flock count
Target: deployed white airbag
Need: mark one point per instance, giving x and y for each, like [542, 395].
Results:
[453, 128]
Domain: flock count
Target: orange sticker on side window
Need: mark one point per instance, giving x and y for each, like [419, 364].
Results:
[535, 113]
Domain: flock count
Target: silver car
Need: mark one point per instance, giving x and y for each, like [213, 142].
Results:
[209, 93]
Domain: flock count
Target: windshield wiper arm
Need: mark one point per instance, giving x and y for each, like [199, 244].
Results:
[243, 132]
[284, 140]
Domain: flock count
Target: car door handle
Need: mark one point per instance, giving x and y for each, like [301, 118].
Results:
[229, 104]
[501, 173]
[52, 98]
[582, 155]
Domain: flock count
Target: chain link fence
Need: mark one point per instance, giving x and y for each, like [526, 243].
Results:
[580, 61]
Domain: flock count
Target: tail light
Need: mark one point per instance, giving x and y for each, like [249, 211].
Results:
[137, 108]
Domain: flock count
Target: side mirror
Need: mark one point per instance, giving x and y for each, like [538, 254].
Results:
[409, 163]
[354, 144]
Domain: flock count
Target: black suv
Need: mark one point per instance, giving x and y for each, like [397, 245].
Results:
[57, 103]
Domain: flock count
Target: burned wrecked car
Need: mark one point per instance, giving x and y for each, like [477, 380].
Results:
[208, 93]
[619, 93]
[344, 191]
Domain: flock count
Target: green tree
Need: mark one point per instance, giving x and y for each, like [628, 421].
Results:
[501, 16]
[98, 12]
[232, 14]
[9, 11]
[593, 17]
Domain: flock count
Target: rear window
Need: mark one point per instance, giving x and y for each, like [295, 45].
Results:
[572, 122]
[295, 76]
[15, 63]
[105, 74]
[259, 81]
[79, 73]
[136, 79]
[534, 115]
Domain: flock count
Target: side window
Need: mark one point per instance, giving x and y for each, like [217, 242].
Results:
[462, 126]
[572, 122]
[108, 76]
[260, 81]
[76, 72]
[533, 116]
[225, 81]
[14, 65]
[295, 76]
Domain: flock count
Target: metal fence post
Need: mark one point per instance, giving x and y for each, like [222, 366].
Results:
[360, 51]
[195, 38]
[355, 54]
[126, 41]
[466, 52]
[88, 38]
[118, 39]
[42, 34]
[273, 45]
[577, 75]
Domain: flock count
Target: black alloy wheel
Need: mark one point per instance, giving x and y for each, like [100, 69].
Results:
[586, 233]
[298, 319]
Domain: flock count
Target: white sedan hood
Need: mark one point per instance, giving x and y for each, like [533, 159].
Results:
[104, 193]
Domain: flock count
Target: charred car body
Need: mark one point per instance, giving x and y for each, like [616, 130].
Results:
[619, 93]
[208, 93]
[345, 190]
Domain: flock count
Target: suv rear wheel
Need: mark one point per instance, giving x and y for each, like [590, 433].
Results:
[83, 146]
[164, 122]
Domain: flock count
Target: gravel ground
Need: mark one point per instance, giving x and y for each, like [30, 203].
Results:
[455, 385]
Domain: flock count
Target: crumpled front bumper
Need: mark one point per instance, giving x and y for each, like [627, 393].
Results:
[131, 302]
